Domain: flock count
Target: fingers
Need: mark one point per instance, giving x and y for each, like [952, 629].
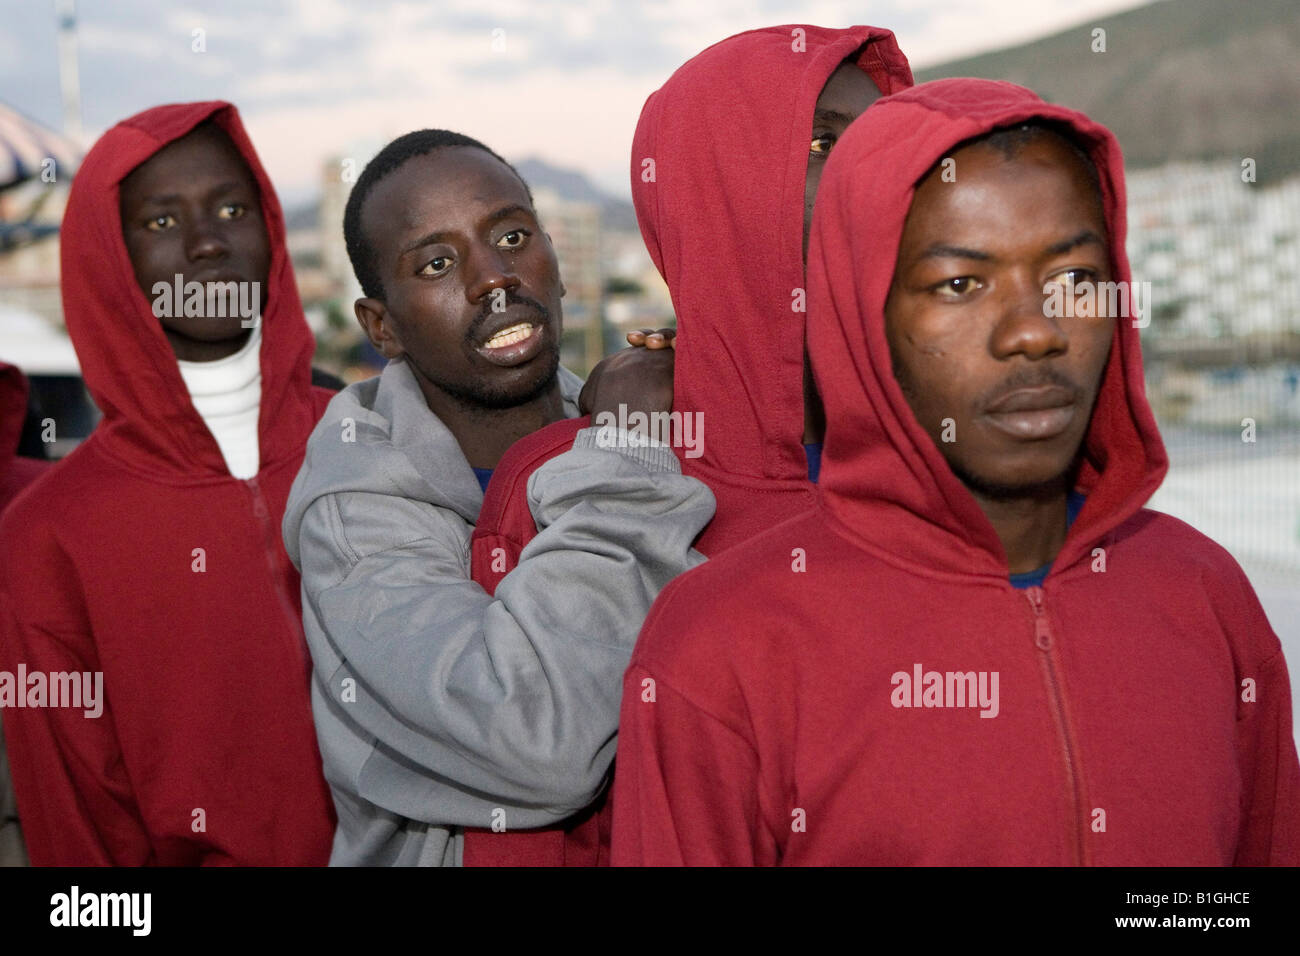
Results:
[662, 339]
[653, 338]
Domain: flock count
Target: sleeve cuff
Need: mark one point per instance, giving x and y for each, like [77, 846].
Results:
[654, 455]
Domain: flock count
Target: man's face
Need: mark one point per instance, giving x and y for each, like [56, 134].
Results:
[846, 94]
[969, 332]
[192, 209]
[471, 284]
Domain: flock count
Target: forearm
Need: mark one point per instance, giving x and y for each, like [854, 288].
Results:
[511, 702]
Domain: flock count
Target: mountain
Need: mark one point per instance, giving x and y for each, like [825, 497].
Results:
[572, 185]
[1179, 79]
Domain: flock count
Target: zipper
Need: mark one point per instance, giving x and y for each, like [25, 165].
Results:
[1044, 641]
[269, 542]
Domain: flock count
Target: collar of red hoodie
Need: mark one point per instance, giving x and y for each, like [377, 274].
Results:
[149, 423]
[882, 476]
[721, 211]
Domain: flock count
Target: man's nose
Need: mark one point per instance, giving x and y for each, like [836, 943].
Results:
[489, 270]
[204, 240]
[1027, 325]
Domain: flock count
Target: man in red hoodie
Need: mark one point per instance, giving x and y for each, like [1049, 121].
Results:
[726, 163]
[146, 569]
[979, 648]
[16, 472]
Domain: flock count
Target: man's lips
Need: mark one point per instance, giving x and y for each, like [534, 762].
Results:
[513, 338]
[1033, 413]
[215, 277]
[519, 313]
[1032, 398]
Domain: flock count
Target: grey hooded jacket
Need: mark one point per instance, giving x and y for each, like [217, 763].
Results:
[437, 706]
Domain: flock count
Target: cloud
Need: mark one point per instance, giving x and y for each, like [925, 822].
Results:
[565, 80]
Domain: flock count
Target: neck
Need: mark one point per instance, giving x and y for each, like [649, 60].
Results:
[484, 433]
[1031, 527]
[193, 350]
[814, 413]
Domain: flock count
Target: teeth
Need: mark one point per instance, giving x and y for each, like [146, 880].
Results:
[510, 336]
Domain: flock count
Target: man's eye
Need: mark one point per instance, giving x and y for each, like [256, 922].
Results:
[159, 223]
[434, 266]
[232, 210]
[1071, 277]
[821, 144]
[513, 239]
[958, 287]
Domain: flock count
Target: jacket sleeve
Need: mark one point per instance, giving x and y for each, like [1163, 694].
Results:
[75, 802]
[1269, 833]
[1270, 774]
[462, 705]
[687, 786]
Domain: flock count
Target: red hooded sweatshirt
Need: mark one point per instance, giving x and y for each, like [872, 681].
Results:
[205, 751]
[1141, 714]
[15, 474]
[719, 161]
[718, 183]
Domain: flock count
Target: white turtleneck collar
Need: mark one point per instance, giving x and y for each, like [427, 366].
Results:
[227, 394]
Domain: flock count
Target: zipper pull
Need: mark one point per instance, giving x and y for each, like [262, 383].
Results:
[259, 503]
[1042, 630]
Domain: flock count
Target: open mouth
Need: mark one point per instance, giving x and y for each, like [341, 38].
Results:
[511, 335]
[516, 344]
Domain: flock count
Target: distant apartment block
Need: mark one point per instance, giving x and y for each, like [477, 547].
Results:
[574, 228]
[1223, 255]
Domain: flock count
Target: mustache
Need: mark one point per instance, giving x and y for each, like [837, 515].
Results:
[1030, 377]
[485, 312]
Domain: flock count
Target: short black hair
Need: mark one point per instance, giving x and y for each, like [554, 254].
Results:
[389, 159]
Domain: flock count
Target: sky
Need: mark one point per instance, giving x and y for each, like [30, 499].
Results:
[562, 80]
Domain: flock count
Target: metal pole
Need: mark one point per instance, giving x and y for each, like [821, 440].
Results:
[69, 81]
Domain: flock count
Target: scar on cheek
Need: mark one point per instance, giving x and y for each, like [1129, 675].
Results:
[933, 352]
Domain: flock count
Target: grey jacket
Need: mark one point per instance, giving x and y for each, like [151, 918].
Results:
[437, 706]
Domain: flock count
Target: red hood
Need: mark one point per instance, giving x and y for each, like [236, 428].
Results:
[723, 220]
[879, 468]
[149, 420]
[13, 411]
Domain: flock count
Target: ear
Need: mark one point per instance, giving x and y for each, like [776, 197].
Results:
[377, 324]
